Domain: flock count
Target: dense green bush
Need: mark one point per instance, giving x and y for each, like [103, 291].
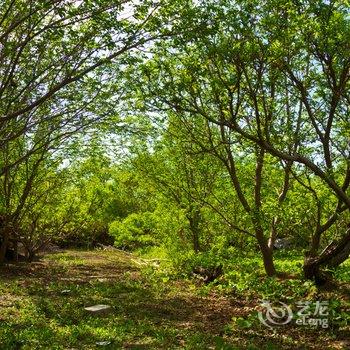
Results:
[135, 231]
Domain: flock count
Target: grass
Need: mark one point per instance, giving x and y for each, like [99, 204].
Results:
[151, 309]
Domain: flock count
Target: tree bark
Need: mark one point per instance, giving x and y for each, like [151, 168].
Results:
[4, 244]
[267, 255]
[194, 219]
[332, 256]
[273, 233]
[266, 252]
[315, 242]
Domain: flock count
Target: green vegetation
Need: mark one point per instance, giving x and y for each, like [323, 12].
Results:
[201, 146]
[43, 306]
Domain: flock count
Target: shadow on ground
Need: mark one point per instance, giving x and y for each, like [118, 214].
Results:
[43, 304]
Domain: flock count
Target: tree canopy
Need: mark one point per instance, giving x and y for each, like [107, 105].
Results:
[197, 126]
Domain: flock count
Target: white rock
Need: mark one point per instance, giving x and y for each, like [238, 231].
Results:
[66, 291]
[99, 309]
[103, 343]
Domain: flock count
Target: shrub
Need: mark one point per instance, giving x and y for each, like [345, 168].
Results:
[133, 232]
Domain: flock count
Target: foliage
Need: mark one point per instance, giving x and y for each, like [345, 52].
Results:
[192, 135]
[135, 231]
[147, 311]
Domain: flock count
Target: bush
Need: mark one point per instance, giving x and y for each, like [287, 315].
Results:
[134, 232]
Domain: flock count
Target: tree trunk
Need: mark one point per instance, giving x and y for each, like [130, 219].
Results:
[31, 256]
[340, 256]
[332, 256]
[194, 219]
[273, 233]
[266, 252]
[4, 244]
[315, 242]
[15, 250]
[311, 268]
[267, 255]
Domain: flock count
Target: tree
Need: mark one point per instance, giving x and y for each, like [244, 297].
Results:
[182, 174]
[52, 84]
[277, 81]
[218, 142]
[25, 188]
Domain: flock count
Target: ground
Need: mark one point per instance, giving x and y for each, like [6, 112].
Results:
[42, 307]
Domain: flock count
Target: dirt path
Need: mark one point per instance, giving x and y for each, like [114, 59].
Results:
[48, 297]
